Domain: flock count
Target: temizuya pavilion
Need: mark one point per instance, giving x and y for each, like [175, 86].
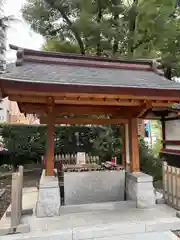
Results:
[52, 85]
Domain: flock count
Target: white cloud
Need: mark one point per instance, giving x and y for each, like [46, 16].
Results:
[19, 33]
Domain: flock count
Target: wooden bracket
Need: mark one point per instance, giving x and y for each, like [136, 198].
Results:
[143, 109]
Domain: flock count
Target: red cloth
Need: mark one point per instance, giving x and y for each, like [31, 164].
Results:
[45, 163]
[113, 160]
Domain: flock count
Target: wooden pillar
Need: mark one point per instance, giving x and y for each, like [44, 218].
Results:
[163, 132]
[123, 146]
[133, 145]
[127, 154]
[50, 145]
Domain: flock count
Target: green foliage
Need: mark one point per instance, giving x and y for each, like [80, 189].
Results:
[60, 46]
[157, 147]
[149, 163]
[108, 143]
[136, 28]
[28, 142]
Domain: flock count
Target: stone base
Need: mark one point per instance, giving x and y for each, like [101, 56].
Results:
[139, 187]
[48, 203]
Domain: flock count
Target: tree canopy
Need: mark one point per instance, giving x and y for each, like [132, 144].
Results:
[130, 28]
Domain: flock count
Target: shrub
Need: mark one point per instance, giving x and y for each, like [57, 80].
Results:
[149, 163]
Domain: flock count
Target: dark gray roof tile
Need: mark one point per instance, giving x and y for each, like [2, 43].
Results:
[65, 74]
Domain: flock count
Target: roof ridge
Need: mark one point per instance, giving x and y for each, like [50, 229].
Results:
[30, 55]
[28, 51]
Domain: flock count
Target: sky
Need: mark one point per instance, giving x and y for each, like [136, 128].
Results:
[19, 32]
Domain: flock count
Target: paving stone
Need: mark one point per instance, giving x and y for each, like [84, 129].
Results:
[108, 230]
[22, 228]
[143, 236]
[163, 225]
[50, 235]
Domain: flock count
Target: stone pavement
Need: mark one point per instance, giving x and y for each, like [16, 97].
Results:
[113, 220]
[68, 235]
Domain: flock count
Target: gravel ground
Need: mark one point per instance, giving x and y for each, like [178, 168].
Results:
[31, 179]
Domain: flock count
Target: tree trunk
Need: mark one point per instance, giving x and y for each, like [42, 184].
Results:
[56, 5]
[168, 72]
[132, 28]
[99, 17]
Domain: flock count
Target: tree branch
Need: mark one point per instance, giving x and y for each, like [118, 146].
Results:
[142, 41]
[53, 4]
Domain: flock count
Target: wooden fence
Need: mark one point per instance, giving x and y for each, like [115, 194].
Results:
[16, 197]
[70, 159]
[171, 185]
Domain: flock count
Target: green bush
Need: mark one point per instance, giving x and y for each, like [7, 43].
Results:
[108, 143]
[27, 143]
[149, 162]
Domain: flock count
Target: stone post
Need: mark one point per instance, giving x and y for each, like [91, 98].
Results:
[139, 188]
[48, 203]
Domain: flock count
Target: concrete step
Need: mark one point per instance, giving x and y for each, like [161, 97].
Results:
[117, 231]
[98, 221]
[94, 207]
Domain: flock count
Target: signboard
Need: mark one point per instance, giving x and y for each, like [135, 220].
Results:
[81, 158]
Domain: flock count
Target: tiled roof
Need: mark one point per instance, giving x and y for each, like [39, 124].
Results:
[57, 68]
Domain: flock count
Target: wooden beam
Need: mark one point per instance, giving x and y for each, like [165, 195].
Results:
[172, 119]
[142, 111]
[170, 142]
[74, 109]
[170, 151]
[1, 94]
[95, 121]
[116, 111]
[100, 102]
[90, 101]
[163, 103]
[31, 108]
[66, 94]
[28, 99]
[134, 145]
